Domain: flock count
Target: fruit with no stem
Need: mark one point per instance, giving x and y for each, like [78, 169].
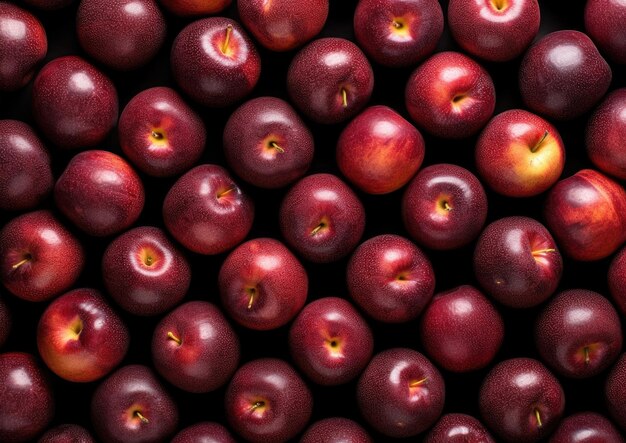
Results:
[586, 427]
[205, 432]
[187, 8]
[617, 280]
[615, 392]
[458, 428]
[66, 433]
[604, 22]
[335, 430]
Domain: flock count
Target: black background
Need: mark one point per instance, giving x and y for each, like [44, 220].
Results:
[383, 216]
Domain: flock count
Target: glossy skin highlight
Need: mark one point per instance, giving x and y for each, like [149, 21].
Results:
[586, 427]
[335, 430]
[205, 432]
[615, 392]
[604, 22]
[458, 428]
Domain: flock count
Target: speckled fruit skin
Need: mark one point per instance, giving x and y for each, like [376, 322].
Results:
[49, 5]
[330, 342]
[573, 321]
[615, 392]
[206, 211]
[444, 207]
[67, 434]
[282, 25]
[390, 278]
[586, 427]
[325, 71]
[461, 330]
[494, 33]
[201, 362]
[458, 428]
[587, 214]
[604, 23]
[74, 114]
[267, 401]
[207, 73]
[85, 351]
[563, 75]
[322, 218]
[514, 393]
[519, 154]
[617, 280]
[450, 106]
[267, 144]
[205, 432]
[122, 34]
[144, 272]
[379, 151]
[187, 8]
[51, 257]
[25, 173]
[27, 401]
[5, 322]
[387, 400]
[100, 193]
[335, 430]
[398, 32]
[130, 390]
[517, 262]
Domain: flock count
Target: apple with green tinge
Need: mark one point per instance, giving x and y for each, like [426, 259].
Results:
[188, 8]
[617, 280]
[67, 434]
[205, 432]
[458, 428]
[335, 430]
[586, 427]
[604, 22]
[615, 392]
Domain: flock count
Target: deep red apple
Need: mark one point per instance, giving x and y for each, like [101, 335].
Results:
[49, 4]
[205, 432]
[450, 95]
[615, 392]
[39, 258]
[458, 428]
[267, 144]
[195, 7]
[444, 207]
[335, 430]
[604, 23]
[586, 427]
[398, 32]
[25, 172]
[5, 322]
[617, 280]
[74, 104]
[67, 434]
[330, 80]
[206, 211]
[379, 151]
[194, 347]
[517, 262]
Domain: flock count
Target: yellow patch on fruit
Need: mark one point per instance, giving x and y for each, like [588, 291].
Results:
[148, 256]
[399, 27]
[442, 205]
[500, 5]
[334, 346]
[74, 329]
[158, 137]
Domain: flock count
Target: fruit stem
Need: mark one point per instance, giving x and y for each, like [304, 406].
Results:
[538, 417]
[141, 417]
[229, 29]
[157, 135]
[543, 251]
[416, 383]
[21, 262]
[586, 351]
[223, 193]
[276, 146]
[344, 97]
[257, 405]
[252, 292]
[171, 336]
[536, 147]
[446, 206]
[396, 24]
[318, 228]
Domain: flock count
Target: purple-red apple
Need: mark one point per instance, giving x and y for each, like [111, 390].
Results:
[335, 430]
[615, 392]
[617, 280]
[205, 432]
[458, 428]
[586, 427]
[187, 8]
[604, 23]
[67, 434]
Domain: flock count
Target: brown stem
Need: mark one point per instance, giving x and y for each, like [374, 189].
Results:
[276, 146]
[543, 251]
[538, 417]
[141, 417]
[536, 147]
[318, 228]
[252, 292]
[586, 352]
[21, 262]
[223, 193]
[229, 30]
[171, 336]
[157, 135]
[416, 383]
[344, 97]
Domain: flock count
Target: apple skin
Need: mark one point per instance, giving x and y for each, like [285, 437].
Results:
[267, 401]
[517, 262]
[330, 342]
[379, 151]
[578, 334]
[461, 330]
[605, 132]
[207, 73]
[398, 33]
[519, 154]
[205, 432]
[321, 218]
[100, 193]
[74, 113]
[615, 392]
[119, 399]
[282, 25]
[208, 352]
[586, 427]
[39, 258]
[122, 34]
[335, 430]
[67, 434]
[494, 30]
[5, 322]
[26, 398]
[563, 75]
[390, 278]
[25, 172]
[262, 284]
[450, 106]
[206, 211]
[267, 144]
[617, 280]
[188, 8]
[144, 272]
[444, 207]
[387, 400]
[458, 428]
[587, 214]
[604, 23]
[323, 73]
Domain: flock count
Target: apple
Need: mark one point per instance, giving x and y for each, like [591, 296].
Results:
[5, 322]
[379, 151]
[67, 433]
[450, 95]
[458, 428]
[188, 8]
[335, 430]
[615, 392]
[205, 432]
[604, 23]
[617, 280]
[586, 427]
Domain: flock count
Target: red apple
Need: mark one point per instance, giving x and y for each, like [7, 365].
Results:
[67, 434]
[617, 280]
[586, 427]
[205, 432]
[195, 7]
[335, 430]
[615, 392]
[604, 23]
[458, 428]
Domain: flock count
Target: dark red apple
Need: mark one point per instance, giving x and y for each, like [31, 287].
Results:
[267, 144]
[67, 434]
[517, 262]
[379, 151]
[390, 278]
[444, 207]
[586, 427]
[215, 62]
[74, 104]
[617, 280]
[604, 23]
[335, 430]
[450, 95]
[262, 284]
[39, 258]
[615, 392]
[194, 347]
[48, 5]
[25, 172]
[5, 322]
[458, 428]
[398, 32]
[195, 7]
[322, 218]
[563, 75]
[267, 401]
[206, 211]
[205, 432]
[330, 80]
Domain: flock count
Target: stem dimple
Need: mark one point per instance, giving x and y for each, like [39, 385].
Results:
[538, 417]
[252, 293]
[541, 140]
[258, 404]
[276, 146]
[157, 135]
[445, 205]
[396, 24]
[229, 30]
[171, 336]
[318, 228]
[141, 417]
